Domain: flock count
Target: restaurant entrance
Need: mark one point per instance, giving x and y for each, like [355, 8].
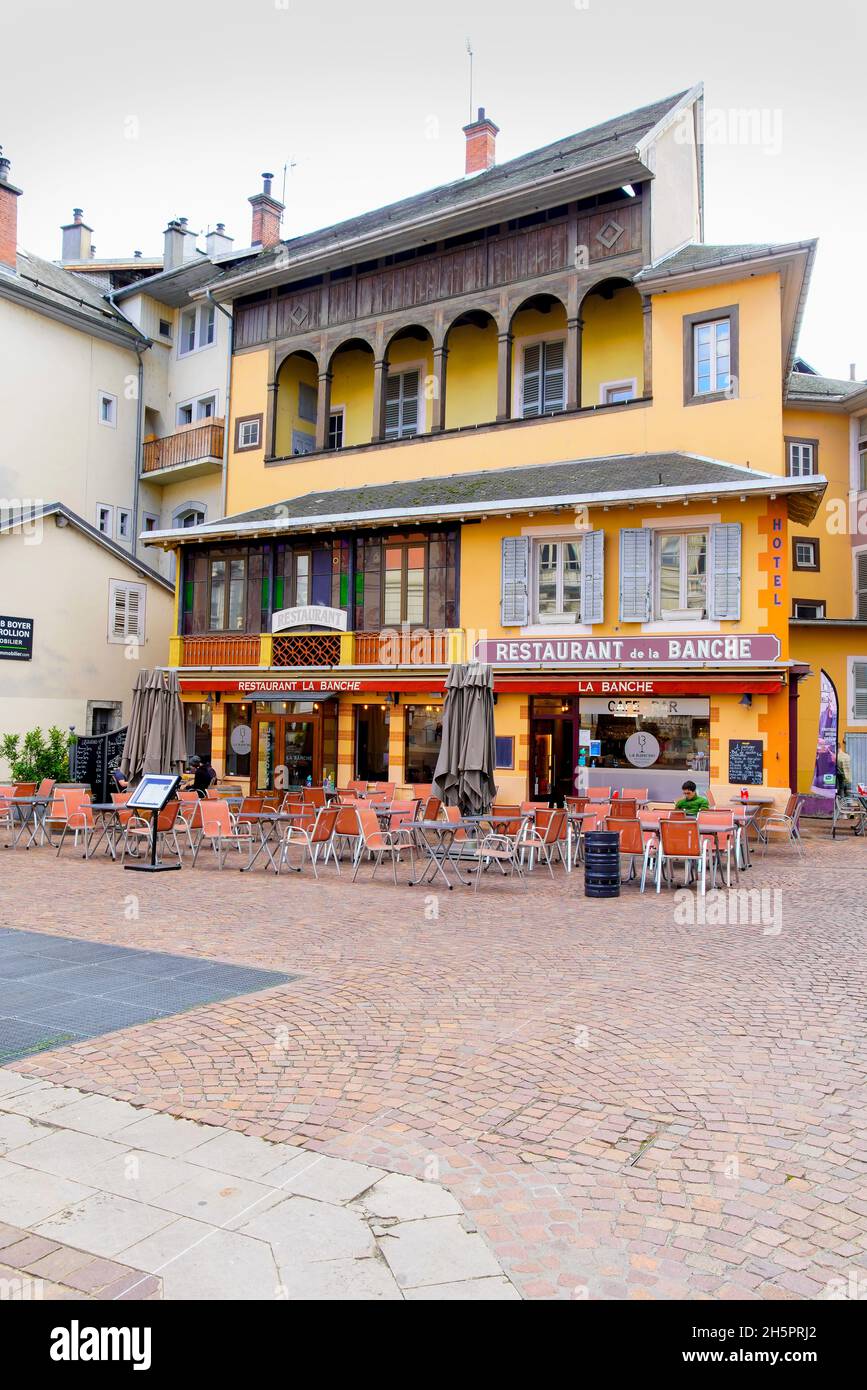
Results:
[294, 744]
[552, 748]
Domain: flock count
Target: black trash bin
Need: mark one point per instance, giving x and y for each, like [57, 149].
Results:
[601, 864]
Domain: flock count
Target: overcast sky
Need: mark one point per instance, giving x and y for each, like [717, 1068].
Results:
[139, 113]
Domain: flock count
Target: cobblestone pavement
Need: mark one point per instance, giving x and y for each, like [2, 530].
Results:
[626, 1103]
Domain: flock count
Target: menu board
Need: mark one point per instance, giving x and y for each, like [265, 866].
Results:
[746, 762]
[93, 757]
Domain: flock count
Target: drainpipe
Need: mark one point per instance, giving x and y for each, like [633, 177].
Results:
[227, 401]
[139, 423]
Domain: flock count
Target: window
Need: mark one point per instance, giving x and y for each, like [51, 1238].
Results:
[302, 577]
[124, 524]
[107, 409]
[801, 457]
[614, 392]
[858, 686]
[201, 408]
[248, 432]
[805, 553]
[335, 429]
[402, 405]
[185, 414]
[165, 328]
[302, 442]
[198, 329]
[543, 380]
[557, 572]
[861, 585]
[104, 516]
[681, 574]
[808, 608]
[371, 742]
[239, 739]
[306, 402]
[126, 611]
[188, 516]
[197, 728]
[227, 595]
[862, 466]
[424, 732]
[710, 355]
[679, 727]
[151, 521]
[403, 578]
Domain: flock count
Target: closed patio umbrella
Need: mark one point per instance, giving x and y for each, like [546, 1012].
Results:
[165, 746]
[464, 773]
[136, 730]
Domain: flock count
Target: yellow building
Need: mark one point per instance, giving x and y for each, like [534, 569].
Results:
[529, 416]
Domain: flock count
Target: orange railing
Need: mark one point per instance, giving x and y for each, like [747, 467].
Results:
[419, 648]
[187, 446]
[221, 651]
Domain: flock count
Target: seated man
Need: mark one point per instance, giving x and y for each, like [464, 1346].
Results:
[203, 775]
[691, 802]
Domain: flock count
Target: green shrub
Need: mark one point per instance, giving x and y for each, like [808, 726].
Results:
[36, 757]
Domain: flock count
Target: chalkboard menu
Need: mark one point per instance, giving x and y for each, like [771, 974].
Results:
[93, 757]
[746, 761]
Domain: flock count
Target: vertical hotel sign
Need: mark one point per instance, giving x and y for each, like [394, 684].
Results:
[16, 639]
[777, 561]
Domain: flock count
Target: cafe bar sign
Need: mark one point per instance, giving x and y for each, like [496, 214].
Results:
[743, 649]
[16, 639]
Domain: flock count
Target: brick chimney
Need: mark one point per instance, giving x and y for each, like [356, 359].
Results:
[76, 239]
[217, 243]
[266, 215]
[9, 196]
[481, 144]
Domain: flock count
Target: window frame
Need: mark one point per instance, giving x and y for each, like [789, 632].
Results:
[542, 340]
[102, 397]
[307, 402]
[628, 382]
[337, 412]
[119, 515]
[809, 603]
[296, 555]
[108, 529]
[227, 560]
[561, 617]
[204, 316]
[406, 545]
[852, 688]
[813, 542]
[798, 442]
[242, 420]
[690, 323]
[401, 369]
[139, 634]
[683, 613]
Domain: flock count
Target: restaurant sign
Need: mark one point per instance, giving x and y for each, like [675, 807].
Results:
[268, 686]
[738, 650]
[308, 615]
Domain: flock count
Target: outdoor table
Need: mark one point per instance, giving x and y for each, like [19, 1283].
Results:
[576, 819]
[109, 811]
[27, 809]
[267, 822]
[434, 838]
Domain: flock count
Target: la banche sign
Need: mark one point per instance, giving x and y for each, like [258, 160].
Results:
[751, 648]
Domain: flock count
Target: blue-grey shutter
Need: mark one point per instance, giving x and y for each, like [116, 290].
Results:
[636, 577]
[861, 596]
[531, 382]
[409, 403]
[724, 580]
[859, 683]
[554, 384]
[593, 577]
[392, 407]
[514, 585]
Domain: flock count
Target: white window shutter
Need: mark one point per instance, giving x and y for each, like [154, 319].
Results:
[532, 380]
[636, 579]
[859, 682]
[392, 407]
[126, 611]
[724, 579]
[554, 392]
[593, 577]
[862, 586]
[409, 421]
[514, 596]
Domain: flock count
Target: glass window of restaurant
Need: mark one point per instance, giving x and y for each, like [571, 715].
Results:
[424, 731]
[197, 728]
[659, 732]
[238, 739]
[371, 742]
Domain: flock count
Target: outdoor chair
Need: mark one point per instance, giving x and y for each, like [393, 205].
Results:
[635, 843]
[599, 793]
[77, 817]
[188, 819]
[25, 789]
[848, 810]
[139, 831]
[576, 804]
[45, 790]
[347, 835]
[547, 838]
[527, 807]
[422, 790]
[403, 812]
[504, 847]
[638, 794]
[218, 828]
[378, 843]
[728, 838]
[313, 796]
[624, 810]
[382, 791]
[786, 824]
[681, 840]
[311, 840]
[250, 806]
[7, 810]
[359, 788]
[429, 809]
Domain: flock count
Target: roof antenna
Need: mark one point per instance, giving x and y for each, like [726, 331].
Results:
[288, 166]
[470, 55]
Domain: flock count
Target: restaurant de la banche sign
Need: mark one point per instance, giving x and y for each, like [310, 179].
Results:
[743, 649]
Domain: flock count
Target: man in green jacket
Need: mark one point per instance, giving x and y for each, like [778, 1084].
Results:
[691, 802]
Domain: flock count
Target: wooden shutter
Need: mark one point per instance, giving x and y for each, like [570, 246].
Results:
[531, 380]
[636, 578]
[554, 384]
[724, 579]
[593, 577]
[514, 600]
[392, 407]
[409, 403]
[861, 595]
[859, 684]
[126, 611]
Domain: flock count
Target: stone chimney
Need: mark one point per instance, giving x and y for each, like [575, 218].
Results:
[266, 215]
[217, 243]
[76, 239]
[9, 196]
[179, 244]
[481, 144]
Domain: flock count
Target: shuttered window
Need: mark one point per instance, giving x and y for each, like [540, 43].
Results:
[593, 577]
[724, 590]
[514, 596]
[543, 382]
[859, 689]
[636, 580]
[402, 405]
[861, 585]
[126, 611]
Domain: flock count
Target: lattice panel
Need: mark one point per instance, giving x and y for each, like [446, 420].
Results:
[311, 649]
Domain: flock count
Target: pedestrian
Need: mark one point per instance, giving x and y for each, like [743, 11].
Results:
[691, 801]
[204, 775]
[844, 771]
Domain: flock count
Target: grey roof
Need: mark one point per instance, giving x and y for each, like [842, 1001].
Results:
[51, 284]
[827, 388]
[175, 286]
[707, 256]
[15, 521]
[599, 144]
[572, 480]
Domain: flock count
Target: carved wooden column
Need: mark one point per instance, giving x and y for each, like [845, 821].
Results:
[438, 403]
[504, 376]
[323, 410]
[271, 421]
[574, 340]
[647, 321]
[380, 383]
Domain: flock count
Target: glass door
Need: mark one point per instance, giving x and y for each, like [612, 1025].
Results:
[266, 754]
[299, 751]
[552, 750]
[287, 752]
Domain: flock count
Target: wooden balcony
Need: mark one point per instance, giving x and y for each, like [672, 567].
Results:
[221, 650]
[422, 647]
[195, 449]
[325, 650]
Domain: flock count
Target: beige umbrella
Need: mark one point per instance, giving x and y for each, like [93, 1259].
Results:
[132, 757]
[165, 745]
[464, 774]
